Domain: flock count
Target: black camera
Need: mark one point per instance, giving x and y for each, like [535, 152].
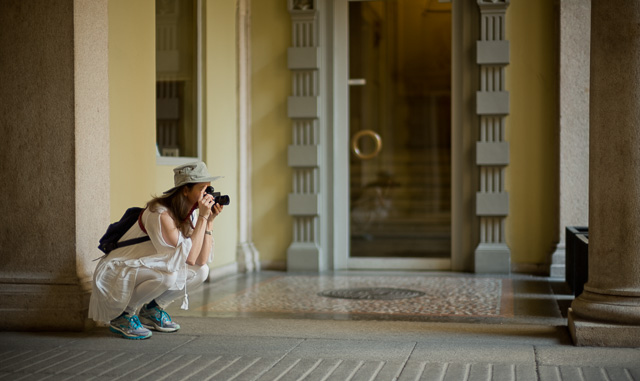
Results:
[219, 199]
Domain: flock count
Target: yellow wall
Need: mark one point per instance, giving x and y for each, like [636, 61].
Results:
[271, 129]
[532, 131]
[221, 139]
[531, 179]
[131, 103]
[135, 176]
[531, 81]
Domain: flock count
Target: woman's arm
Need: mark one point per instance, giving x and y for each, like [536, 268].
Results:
[200, 246]
[205, 252]
[197, 240]
[208, 210]
[170, 232]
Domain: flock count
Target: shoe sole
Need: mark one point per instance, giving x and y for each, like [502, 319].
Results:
[126, 336]
[158, 328]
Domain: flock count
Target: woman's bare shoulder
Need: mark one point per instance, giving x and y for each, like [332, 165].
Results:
[165, 215]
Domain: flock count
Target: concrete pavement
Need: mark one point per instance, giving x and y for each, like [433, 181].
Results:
[210, 348]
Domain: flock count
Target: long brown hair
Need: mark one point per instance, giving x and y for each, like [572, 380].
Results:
[179, 208]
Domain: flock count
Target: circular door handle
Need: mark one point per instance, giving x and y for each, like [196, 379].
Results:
[356, 150]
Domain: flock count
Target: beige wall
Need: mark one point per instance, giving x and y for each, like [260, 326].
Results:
[132, 103]
[135, 176]
[532, 131]
[271, 129]
[531, 79]
[221, 120]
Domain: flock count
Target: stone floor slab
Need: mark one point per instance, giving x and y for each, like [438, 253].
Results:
[354, 349]
[275, 347]
[588, 356]
[474, 353]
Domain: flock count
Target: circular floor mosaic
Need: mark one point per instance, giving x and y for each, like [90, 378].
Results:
[372, 293]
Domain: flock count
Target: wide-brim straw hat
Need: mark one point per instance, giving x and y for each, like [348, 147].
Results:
[191, 173]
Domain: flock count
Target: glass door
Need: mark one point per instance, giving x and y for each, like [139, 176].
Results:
[399, 92]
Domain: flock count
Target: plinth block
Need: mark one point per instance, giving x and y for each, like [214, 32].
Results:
[492, 258]
[44, 307]
[304, 256]
[595, 334]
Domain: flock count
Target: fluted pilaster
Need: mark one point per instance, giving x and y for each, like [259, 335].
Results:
[247, 255]
[304, 152]
[492, 151]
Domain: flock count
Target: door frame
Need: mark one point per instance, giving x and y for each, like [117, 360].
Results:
[464, 224]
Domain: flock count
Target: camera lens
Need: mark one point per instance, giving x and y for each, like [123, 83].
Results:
[222, 200]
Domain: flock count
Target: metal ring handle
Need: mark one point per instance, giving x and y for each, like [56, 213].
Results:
[356, 149]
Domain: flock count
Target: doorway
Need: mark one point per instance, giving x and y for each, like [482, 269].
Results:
[399, 118]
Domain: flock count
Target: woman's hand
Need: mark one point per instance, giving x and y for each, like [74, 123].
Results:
[204, 206]
[217, 209]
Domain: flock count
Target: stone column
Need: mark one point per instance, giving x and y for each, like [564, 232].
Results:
[54, 161]
[575, 17]
[608, 312]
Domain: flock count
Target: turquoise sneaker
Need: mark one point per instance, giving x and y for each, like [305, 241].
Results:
[129, 327]
[157, 319]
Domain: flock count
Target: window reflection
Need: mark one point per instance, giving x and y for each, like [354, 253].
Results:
[177, 78]
[400, 88]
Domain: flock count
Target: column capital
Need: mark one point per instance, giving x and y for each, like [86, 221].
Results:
[493, 5]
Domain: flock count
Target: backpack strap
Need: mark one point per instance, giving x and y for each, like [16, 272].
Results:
[140, 221]
[134, 241]
[193, 209]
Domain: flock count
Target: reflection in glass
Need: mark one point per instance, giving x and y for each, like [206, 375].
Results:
[176, 78]
[400, 88]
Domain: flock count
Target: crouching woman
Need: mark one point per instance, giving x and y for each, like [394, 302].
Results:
[148, 276]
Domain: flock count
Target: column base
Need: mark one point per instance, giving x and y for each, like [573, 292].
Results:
[492, 258]
[304, 257]
[44, 307]
[597, 334]
[248, 257]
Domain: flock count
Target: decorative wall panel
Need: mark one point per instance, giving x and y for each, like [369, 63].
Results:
[304, 108]
[492, 151]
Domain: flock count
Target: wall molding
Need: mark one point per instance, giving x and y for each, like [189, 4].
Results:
[247, 255]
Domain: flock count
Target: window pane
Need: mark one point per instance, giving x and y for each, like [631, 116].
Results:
[176, 78]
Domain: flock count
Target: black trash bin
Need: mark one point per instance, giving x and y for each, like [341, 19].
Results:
[577, 258]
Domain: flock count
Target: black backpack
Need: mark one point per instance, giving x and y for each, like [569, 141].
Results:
[116, 230]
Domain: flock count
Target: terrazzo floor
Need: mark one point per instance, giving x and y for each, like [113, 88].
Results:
[417, 296]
